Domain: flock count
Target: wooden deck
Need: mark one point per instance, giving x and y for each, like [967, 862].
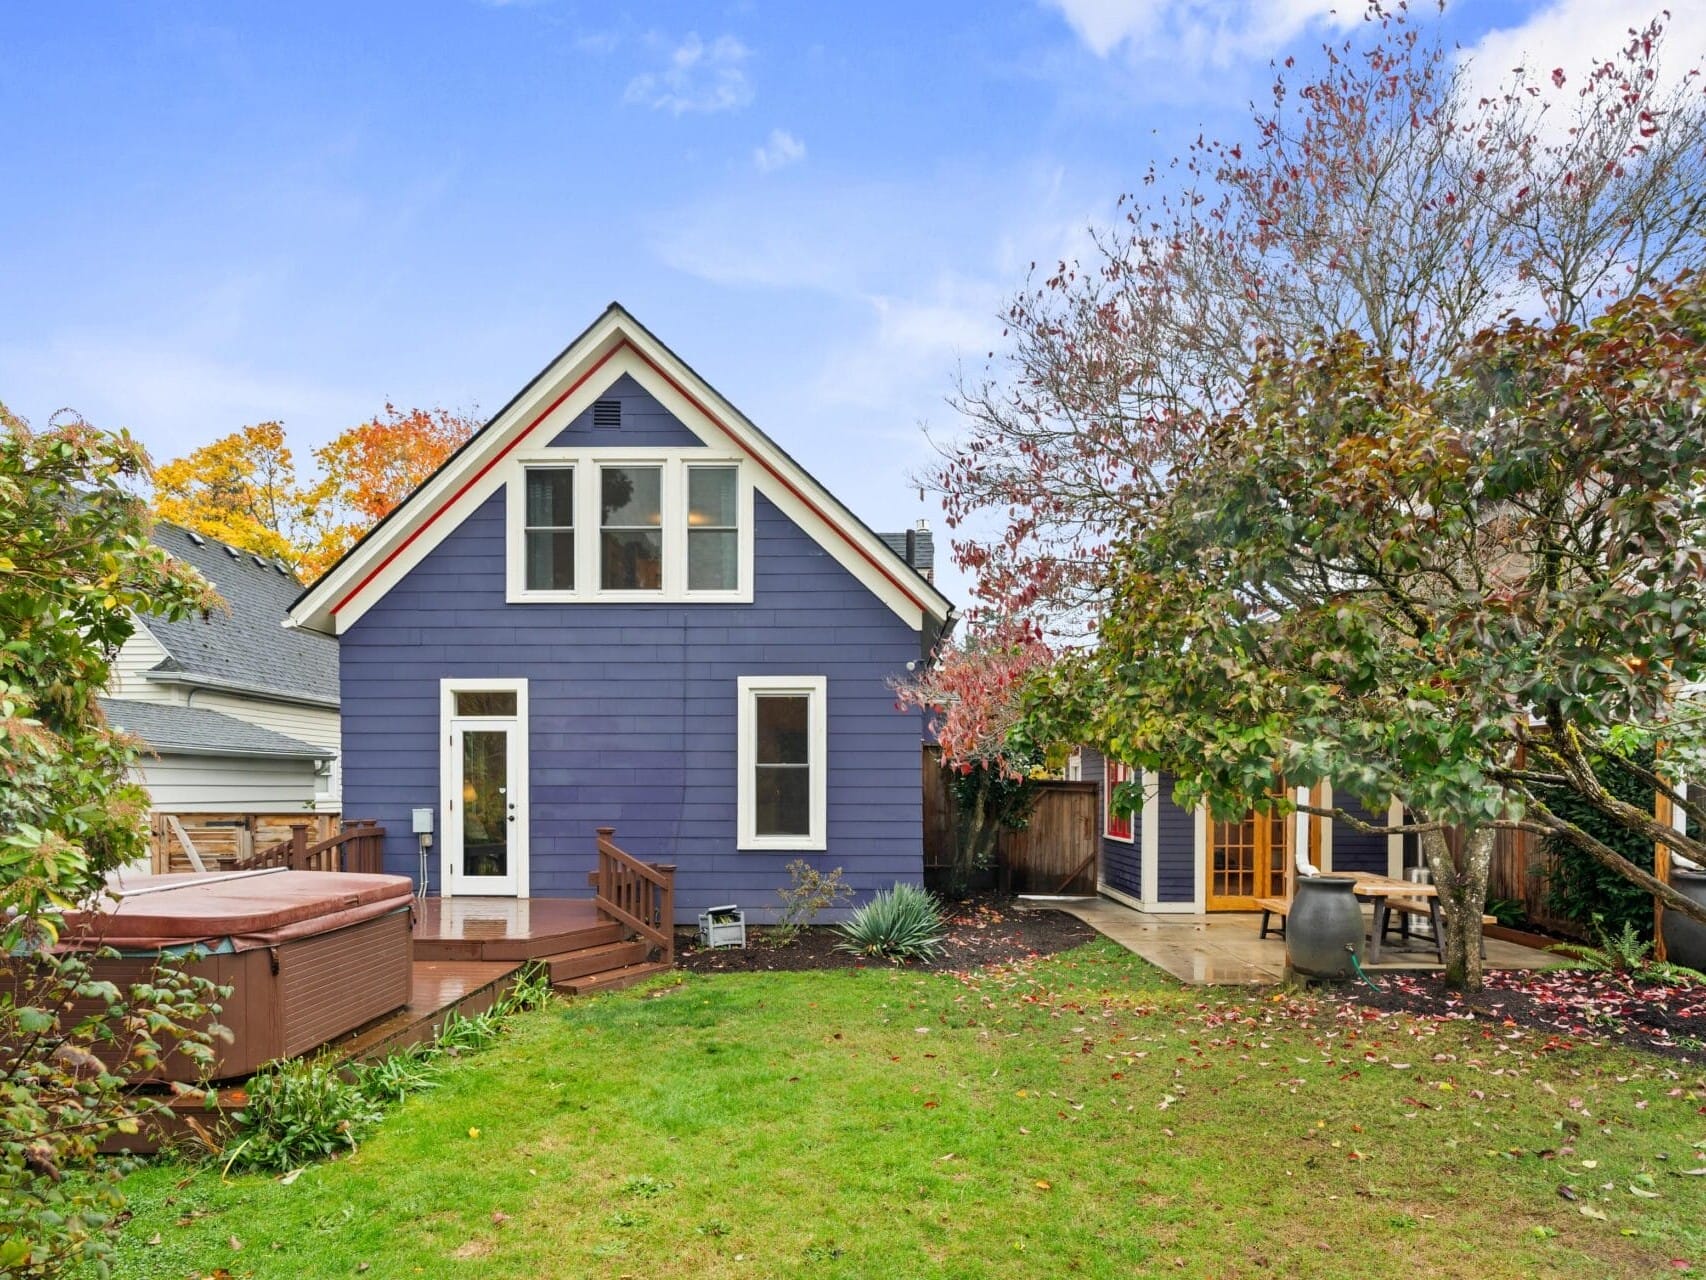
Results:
[512, 929]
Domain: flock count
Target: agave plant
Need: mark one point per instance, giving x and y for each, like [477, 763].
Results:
[900, 923]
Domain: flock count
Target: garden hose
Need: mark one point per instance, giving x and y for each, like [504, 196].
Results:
[1357, 965]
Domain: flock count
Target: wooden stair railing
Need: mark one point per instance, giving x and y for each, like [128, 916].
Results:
[639, 894]
[360, 847]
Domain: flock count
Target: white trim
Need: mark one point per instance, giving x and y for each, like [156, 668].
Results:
[1124, 899]
[1174, 908]
[1327, 825]
[1394, 841]
[407, 537]
[1299, 831]
[588, 464]
[1150, 870]
[1201, 899]
[1108, 801]
[450, 726]
[816, 691]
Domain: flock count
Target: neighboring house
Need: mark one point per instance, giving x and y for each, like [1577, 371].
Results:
[621, 604]
[239, 714]
[1168, 859]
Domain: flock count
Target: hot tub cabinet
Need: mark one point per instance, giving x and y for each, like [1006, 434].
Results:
[308, 955]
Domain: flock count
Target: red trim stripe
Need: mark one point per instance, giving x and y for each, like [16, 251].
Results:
[691, 399]
[475, 478]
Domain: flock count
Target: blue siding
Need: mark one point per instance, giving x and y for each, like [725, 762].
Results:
[644, 421]
[1122, 863]
[633, 714]
[1176, 859]
[1355, 850]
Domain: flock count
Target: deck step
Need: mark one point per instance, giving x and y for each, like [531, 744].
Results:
[590, 960]
[522, 948]
[612, 979]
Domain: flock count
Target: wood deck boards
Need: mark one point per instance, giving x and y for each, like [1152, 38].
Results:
[508, 928]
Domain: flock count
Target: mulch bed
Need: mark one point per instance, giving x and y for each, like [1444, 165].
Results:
[1566, 1005]
[980, 933]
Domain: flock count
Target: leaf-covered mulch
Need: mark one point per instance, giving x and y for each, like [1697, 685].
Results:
[1566, 1004]
[978, 934]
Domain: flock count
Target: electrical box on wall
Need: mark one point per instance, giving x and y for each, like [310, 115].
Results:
[422, 822]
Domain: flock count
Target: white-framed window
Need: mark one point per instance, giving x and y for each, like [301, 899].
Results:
[602, 524]
[1115, 826]
[783, 755]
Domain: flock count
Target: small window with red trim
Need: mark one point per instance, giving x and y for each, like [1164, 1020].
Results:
[1116, 826]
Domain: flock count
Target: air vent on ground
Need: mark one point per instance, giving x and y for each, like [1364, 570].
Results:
[607, 413]
[195, 537]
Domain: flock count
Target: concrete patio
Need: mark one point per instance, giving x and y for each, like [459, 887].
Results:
[1223, 949]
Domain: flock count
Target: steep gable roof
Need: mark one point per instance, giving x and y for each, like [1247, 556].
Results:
[614, 345]
[244, 646]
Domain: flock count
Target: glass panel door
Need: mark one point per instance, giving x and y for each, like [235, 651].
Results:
[488, 808]
[1247, 860]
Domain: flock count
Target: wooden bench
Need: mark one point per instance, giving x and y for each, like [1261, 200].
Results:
[1407, 907]
[1271, 907]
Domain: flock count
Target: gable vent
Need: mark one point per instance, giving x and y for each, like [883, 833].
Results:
[607, 413]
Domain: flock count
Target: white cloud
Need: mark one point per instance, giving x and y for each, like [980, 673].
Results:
[1198, 32]
[699, 77]
[1572, 35]
[779, 151]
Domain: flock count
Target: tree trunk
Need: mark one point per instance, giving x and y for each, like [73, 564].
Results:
[978, 831]
[1462, 885]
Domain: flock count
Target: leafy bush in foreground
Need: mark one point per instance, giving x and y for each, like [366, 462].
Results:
[900, 923]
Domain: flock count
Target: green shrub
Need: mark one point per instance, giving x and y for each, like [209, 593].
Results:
[298, 1112]
[900, 923]
[809, 891]
[59, 1102]
[1585, 892]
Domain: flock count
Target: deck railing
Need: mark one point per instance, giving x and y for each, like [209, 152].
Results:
[639, 894]
[360, 847]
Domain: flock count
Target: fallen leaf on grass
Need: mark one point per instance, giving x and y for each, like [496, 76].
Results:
[1645, 1195]
[1588, 1211]
[1043, 1184]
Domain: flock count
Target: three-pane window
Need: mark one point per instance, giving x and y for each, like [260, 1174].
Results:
[673, 528]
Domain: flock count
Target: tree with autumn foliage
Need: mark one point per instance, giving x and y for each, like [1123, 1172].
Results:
[244, 490]
[368, 470]
[1382, 194]
[240, 489]
[1472, 592]
[971, 691]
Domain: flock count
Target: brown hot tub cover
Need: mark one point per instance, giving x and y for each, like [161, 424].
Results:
[151, 913]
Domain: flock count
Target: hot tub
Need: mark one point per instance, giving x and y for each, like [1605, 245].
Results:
[309, 955]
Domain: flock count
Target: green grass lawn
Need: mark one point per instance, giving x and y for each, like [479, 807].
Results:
[1079, 1117]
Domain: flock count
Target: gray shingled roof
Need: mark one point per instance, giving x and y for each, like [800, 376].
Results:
[247, 647]
[173, 730]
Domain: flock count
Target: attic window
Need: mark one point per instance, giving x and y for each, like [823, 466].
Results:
[195, 537]
[607, 414]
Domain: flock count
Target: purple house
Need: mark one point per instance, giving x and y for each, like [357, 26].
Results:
[621, 604]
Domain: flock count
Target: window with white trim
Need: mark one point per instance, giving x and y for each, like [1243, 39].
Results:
[549, 529]
[782, 785]
[664, 524]
[1115, 827]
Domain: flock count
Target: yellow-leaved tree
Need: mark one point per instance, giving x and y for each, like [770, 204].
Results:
[243, 488]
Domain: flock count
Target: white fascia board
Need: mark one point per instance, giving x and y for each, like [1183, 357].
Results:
[623, 347]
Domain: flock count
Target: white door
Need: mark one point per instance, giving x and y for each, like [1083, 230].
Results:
[484, 774]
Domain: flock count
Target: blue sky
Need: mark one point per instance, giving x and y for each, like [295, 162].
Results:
[221, 213]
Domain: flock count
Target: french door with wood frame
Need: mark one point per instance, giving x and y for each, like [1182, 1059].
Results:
[1247, 860]
[483, 748]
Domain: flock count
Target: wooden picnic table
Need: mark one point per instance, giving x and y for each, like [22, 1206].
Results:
[1381, 891]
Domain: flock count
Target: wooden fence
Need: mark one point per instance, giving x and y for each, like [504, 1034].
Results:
[223, 840]
[1056, 853]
